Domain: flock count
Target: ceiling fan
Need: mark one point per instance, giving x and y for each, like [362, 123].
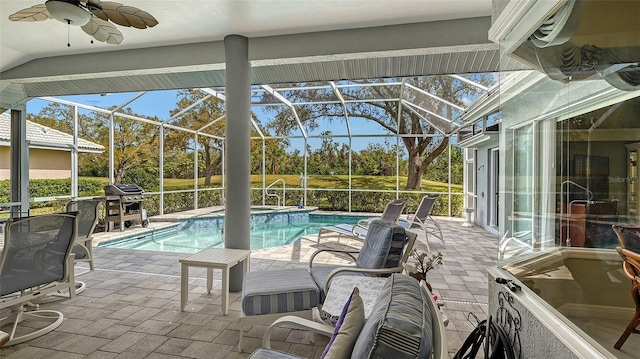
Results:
[95, 17]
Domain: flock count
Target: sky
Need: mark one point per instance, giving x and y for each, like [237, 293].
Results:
[153, 103]
[160, 103]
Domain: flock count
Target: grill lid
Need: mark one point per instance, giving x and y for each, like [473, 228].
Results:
[122, 189]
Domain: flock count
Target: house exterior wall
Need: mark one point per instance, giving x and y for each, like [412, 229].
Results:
[43, 164]
[496, 8]
[563, 149]
[483, 182]
[5, 160]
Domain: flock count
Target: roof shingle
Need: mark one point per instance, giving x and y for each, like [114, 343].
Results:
[46, 137]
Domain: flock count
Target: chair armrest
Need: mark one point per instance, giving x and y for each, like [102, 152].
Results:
[439, 340]
[297, 322]
[364, 223]
[348, 252]
[372, 272]
[417, 220]
[360, 230]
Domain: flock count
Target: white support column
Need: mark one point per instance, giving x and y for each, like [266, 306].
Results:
[238, 140]
[449, 176]
[264, 172]
[161, 171]
[223, 200]
[111, 144]
[195, 171]
[19, 151]
[74, 156]
[350, 172]
[306, 174]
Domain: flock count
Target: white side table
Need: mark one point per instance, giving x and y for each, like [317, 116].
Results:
[212, 258]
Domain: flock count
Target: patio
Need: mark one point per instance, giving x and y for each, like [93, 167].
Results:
[131, 306]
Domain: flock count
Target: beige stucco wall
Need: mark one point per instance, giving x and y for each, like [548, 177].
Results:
[4, 162]
[43, 164]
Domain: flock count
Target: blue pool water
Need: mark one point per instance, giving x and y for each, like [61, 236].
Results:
[195, 235]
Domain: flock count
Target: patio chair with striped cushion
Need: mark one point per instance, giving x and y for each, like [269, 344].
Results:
[385, 250]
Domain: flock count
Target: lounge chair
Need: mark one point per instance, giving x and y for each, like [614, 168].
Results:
[385, 250]
[392, 212]
[343, 230]
[422, 220]
[36, 261]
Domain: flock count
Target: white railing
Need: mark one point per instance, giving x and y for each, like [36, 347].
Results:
[275, 195]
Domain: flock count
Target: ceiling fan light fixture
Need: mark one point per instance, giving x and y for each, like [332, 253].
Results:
[68, 11]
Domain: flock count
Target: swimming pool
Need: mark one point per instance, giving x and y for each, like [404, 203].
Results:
[194, 235]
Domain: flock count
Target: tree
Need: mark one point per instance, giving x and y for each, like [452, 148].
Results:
[276, 159]
[427, 127]
[295, 162]
[376, 159]
[438, 170]
[203, 114]
[135, 142]
[330, 157]
[60, 117]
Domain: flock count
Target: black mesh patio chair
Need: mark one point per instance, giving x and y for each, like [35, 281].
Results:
[87, 220]
[36, 261]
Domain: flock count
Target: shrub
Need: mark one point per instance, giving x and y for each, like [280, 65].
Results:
[143, 178]
[209, 198]
[54, 188]
[178, 202]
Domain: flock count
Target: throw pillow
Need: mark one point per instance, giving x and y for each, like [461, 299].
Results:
[347, 329]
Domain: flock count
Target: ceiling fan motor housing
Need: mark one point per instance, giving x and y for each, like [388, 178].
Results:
[68, 12]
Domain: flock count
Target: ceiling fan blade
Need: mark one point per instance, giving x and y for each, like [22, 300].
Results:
[127, 15]
[96, 9]
[34, 13]
[103, 31]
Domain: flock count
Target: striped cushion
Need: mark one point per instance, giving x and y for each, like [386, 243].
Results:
[399, 325]
[383, 245]
[278, 291]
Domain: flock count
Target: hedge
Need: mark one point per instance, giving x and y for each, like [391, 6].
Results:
[182, 201]
[54, 188]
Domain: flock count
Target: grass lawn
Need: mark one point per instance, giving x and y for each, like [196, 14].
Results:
[314, 181]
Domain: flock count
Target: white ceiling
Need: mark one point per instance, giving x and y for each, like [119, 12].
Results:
[289, 41]
[188, 21]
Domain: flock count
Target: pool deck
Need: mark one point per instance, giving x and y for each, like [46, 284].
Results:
[131, 308]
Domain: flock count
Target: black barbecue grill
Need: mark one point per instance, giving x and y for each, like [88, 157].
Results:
[125, 205]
